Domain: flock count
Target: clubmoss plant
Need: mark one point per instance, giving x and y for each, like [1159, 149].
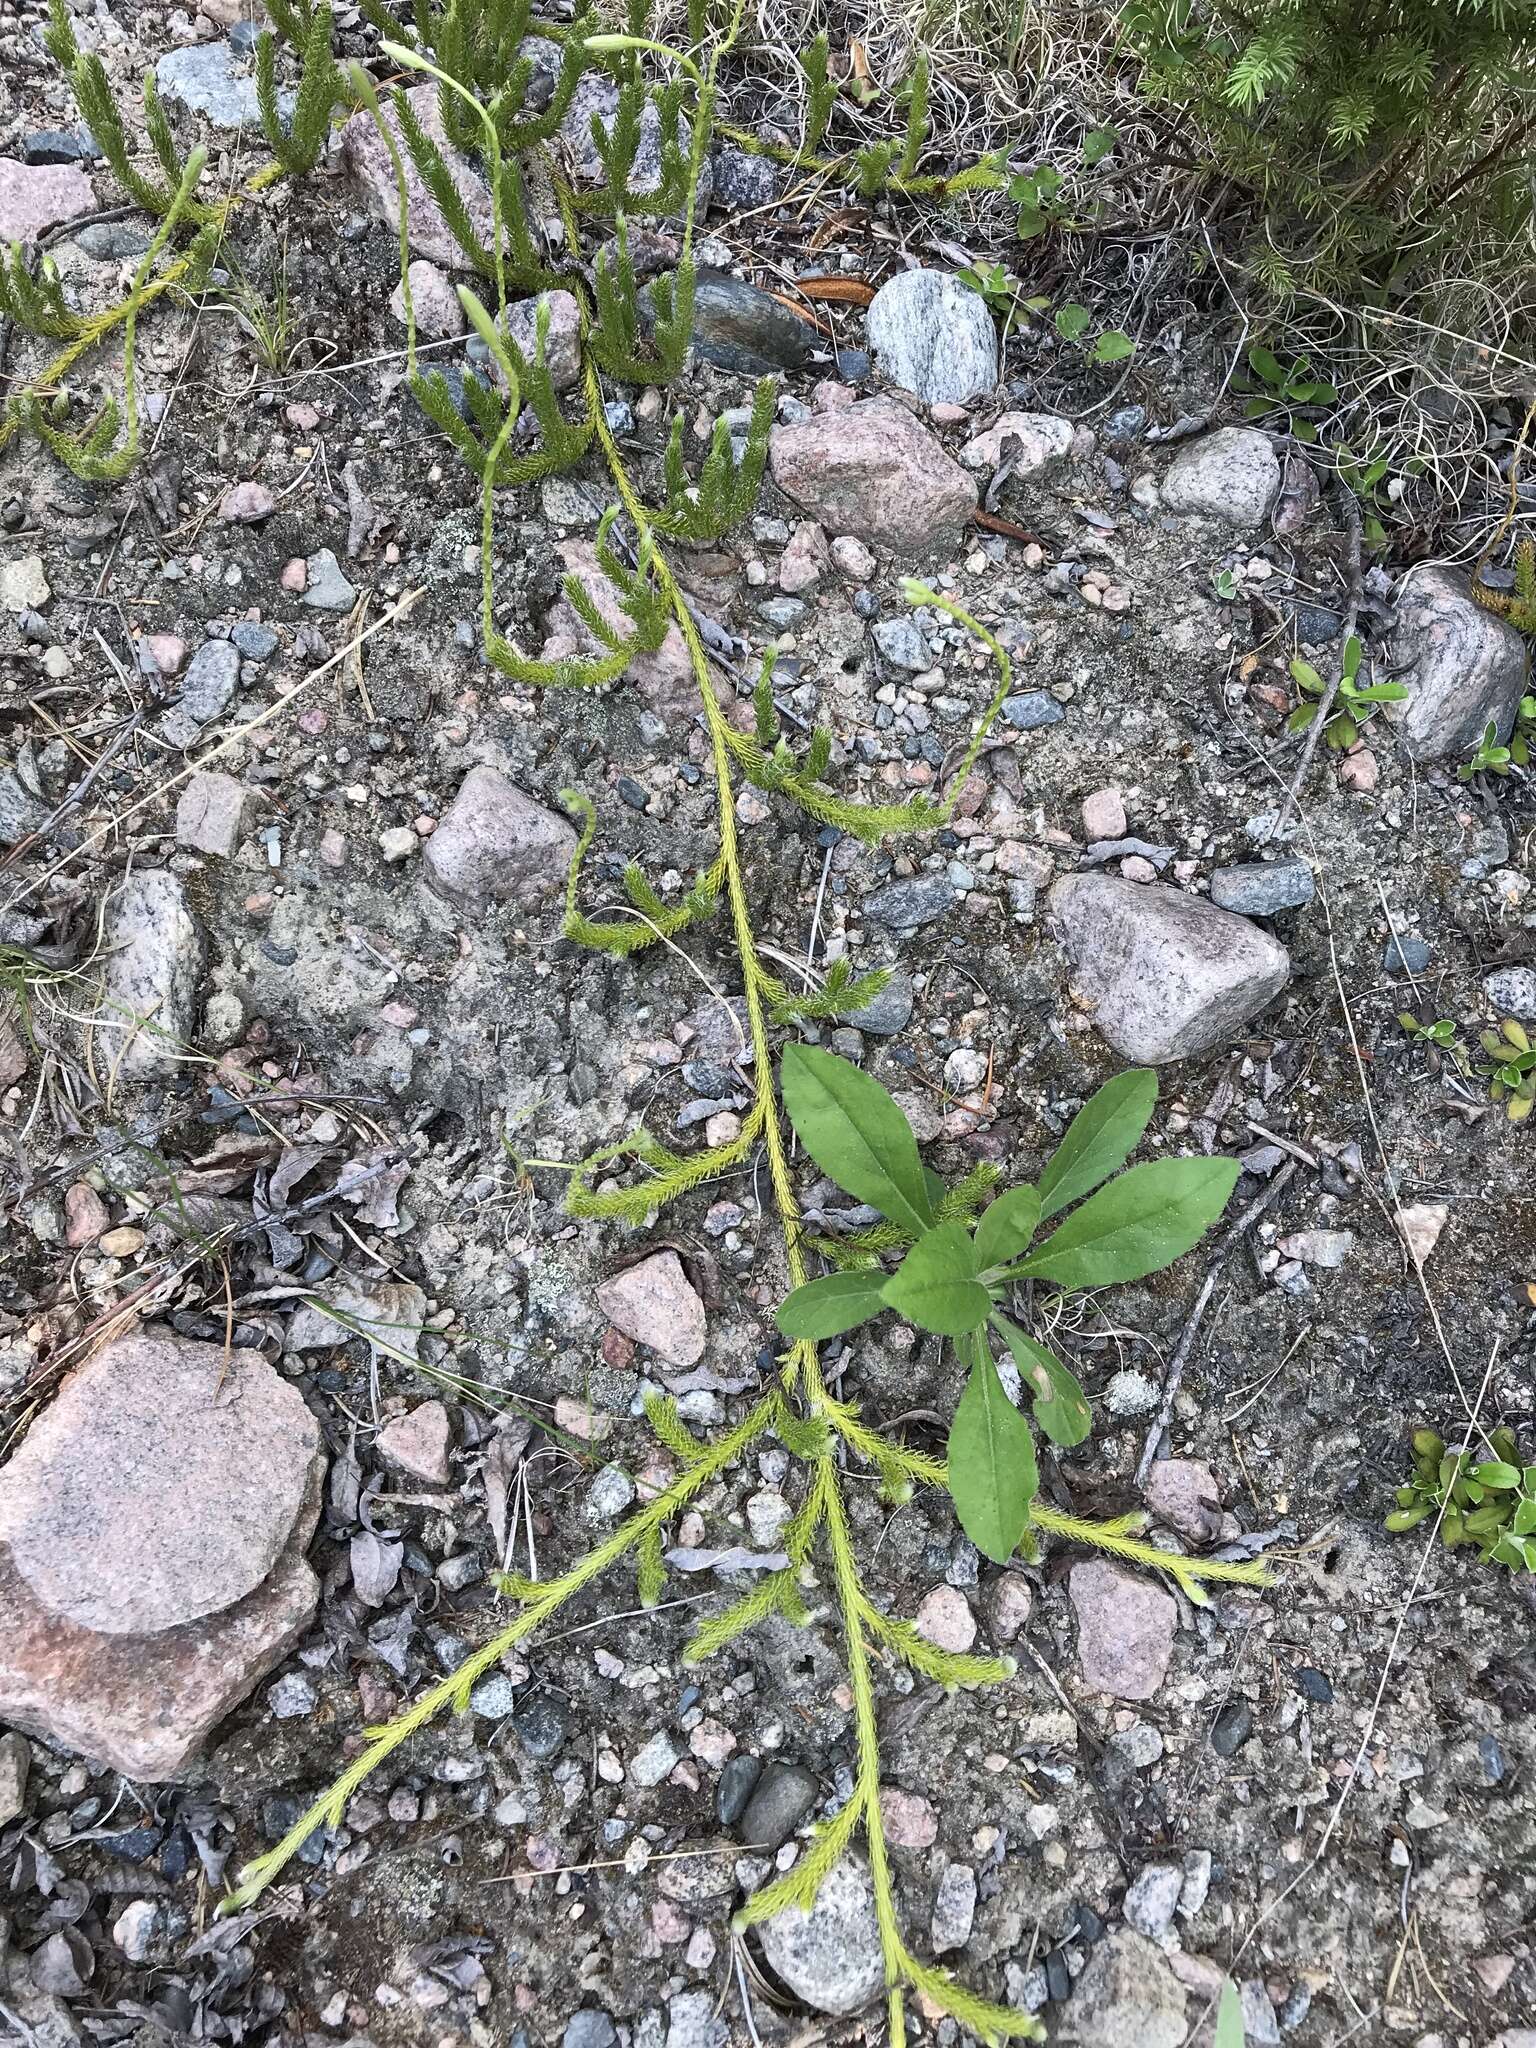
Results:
[470, 50]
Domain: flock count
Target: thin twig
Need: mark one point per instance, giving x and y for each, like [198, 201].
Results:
[1174, 1377]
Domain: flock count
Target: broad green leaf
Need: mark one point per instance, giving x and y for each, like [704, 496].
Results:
[1143, 1221]
[1100, 1138]
[992, 1472]
[1097, 144]
[1006, 1227]
[855, 1134]
[1497, 1475]
[935, 1286]
[1524, 1522]
[1061, 1406]
[1113, 346]
[1229, 2018]
[829, 1306]
[1304, 673]
[1072, 322]
[1267, 365]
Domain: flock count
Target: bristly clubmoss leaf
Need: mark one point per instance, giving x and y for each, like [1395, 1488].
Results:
[855, 1134]
[992, 1472]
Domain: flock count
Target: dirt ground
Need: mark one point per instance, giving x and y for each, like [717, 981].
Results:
[1351, 1749]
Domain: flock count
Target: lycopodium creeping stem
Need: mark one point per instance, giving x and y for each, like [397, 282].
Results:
[484, 108]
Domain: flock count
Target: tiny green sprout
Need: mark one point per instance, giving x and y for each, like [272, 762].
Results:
[1224, 583]
[1278, 386]
[1354, 702]
[1489, 1502]
[1494, 757]
[990, 281]
[1511, 1072]
[1442, 1032]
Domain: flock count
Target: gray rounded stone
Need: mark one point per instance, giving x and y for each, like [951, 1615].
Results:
[160, 1487]
[934, 337]
[831, 1956]
[213, 676]
[1232, 475]
[1465, 668]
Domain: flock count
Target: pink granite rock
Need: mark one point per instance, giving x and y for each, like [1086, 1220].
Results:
[152, 1536]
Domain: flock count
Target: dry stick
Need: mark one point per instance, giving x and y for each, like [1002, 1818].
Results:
[1325, 703]
[1174, 1377]
[396, 611]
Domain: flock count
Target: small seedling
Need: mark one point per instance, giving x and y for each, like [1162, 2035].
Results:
[1112, 345]
[1224, 583]
[1496, 758]
[955, 1278]
[1353, 706]
[1276, 386]
[999, 287]
[1489, 1502]
[1441, 1033]
[1511, 1076]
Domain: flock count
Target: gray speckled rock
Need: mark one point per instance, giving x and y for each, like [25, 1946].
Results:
[1127, 1997]
[206, 79]
[327, 588]
[830, 1956]
[1464, 668]
[1261, 888]
[153, 960]
[1165, 974]
[1512, 992]
[1233, 475]
[933, 336]
[915, 900]
[890, 1011]
[213, 676]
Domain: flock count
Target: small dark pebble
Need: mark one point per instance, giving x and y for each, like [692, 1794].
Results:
[1058, 1978]
[632, 792]
[1407, 955]
[177, 1857]
[542, 1724]
[60, 146]
[1295, 2008]
[852, 364]
[1234, 1725]
[1031, 710]
[1312, 1685]
[784, 1795]
[1494, 1762]
[134, 1845]
[282, 956]
[282, 1812]
[1088, 1926]
[738, 1781]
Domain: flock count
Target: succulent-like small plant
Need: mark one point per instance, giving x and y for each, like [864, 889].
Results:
[1488, 1502]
